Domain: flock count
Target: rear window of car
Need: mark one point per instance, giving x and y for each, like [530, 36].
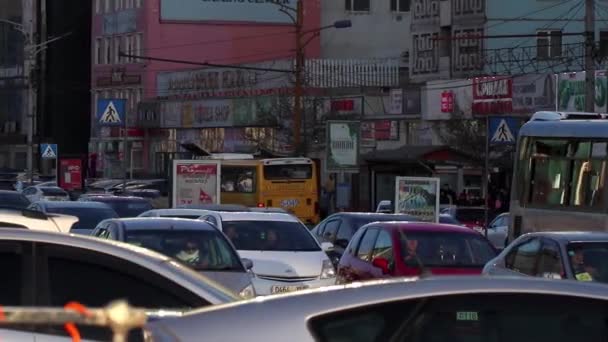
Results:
[362, 221]
[270, 236]
[469, 317]
[128, 208]
[53, 191]
[88, 218]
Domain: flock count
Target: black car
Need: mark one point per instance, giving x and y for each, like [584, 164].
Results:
[124, 206]
[13, 199]
[339, 229]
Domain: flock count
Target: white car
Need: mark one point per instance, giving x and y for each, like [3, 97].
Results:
[286, 257]
[498, 231]
[36, 220]
[175, 213]
[45, 193]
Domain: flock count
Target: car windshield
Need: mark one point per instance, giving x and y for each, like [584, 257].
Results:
[88, 218]
[128, 208]
[270, 236]
[199, 249]
[439, 249]
[303, 171]
[587, 261]
[14, 200]
[53, 191]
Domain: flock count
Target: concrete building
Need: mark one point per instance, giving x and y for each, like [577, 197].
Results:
[176, 99]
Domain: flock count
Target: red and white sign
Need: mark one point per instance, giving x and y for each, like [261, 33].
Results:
[196, 182]
[70, 174]
[447, 101]
[492, 95]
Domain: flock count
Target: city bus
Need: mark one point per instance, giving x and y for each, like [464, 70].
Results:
[288, 183]
[559, 180]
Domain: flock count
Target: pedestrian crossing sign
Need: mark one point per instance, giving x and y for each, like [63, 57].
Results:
[48, 151]
[111, 112]
[503, 130]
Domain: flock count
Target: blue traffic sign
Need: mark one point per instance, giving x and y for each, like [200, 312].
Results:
[503, 130]
[48, 151]
[111, 112]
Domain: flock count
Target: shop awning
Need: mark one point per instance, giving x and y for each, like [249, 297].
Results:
[438, 155]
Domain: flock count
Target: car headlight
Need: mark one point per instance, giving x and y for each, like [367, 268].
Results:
[328, 271]
[248, 292]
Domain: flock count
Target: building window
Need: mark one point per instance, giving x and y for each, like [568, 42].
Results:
[98, 51]
[117, 5]
[107, 46]
[130, 47]
[400, 5]
[137, 46]
[548, 44]
[138, 3]
[97, 6]
[604, 43]
[116, 50]
[107, 6]
[357, 5]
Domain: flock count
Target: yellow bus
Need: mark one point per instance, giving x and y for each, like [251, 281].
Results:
[288, 183]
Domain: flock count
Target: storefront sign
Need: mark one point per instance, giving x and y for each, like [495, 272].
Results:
[447, 101]
[417, 197]
[396, 102]
[70, 174]
[257, 11]
[343, 146]
[533, 93]
[379, 130]
[246, 112]
[204, 83]
[492, 95]
[118, 77]
[196, 182]
[343, 106]
[148, 114]
[571, 92]
[462, 89]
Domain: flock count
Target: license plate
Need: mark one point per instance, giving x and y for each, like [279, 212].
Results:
[289, 203]
[285, 289]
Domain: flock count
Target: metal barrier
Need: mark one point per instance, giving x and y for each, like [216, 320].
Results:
[119, 316]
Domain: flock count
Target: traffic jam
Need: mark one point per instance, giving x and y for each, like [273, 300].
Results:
[234, 247]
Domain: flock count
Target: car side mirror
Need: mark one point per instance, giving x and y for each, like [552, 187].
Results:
[326, 246]
[247, 263]
[382, 264]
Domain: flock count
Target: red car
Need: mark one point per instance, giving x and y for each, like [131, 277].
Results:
[398, 249]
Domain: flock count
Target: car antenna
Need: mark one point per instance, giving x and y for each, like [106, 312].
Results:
[424, 272]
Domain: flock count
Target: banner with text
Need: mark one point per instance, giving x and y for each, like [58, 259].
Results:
[196, 182]
[343, 146]
[417, 197]
[571, 92]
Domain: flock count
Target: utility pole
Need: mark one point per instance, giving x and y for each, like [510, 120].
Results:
[589, 55]
[300, 58]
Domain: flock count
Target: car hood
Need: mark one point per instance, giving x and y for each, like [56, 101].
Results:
[234, 281]
[63, 222]
[286, 264]
[456, 270]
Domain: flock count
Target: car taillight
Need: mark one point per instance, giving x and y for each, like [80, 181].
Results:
[260, 205]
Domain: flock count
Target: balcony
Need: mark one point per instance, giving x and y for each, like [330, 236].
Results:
[352, 73]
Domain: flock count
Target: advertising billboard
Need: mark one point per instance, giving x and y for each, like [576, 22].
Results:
[226, 10]
[571, 92]
[343, 146]
[196, 182]
[70, 174]
[417, 197]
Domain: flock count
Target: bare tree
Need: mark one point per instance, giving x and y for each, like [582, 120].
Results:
[464, 134]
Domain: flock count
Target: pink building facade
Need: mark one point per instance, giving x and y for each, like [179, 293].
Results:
[170, 104]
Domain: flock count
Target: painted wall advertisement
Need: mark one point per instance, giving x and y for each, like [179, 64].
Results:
[70, 174]
[343, 146]
[196, 182]
[418, 197]
[571, 92]
[492, 95]
[226, 10]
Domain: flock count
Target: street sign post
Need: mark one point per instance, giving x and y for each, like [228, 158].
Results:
[503, 130]
[49, 151]
[113, 112]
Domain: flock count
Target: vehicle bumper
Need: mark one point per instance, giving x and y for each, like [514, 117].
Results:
[264, 287]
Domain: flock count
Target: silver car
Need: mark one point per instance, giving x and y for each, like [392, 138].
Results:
[212, 254]
[433, 309]
[51, 269]
[556, 255]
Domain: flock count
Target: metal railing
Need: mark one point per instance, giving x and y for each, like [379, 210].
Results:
[118, 316]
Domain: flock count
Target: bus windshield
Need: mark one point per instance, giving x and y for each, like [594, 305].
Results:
[302, 171]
